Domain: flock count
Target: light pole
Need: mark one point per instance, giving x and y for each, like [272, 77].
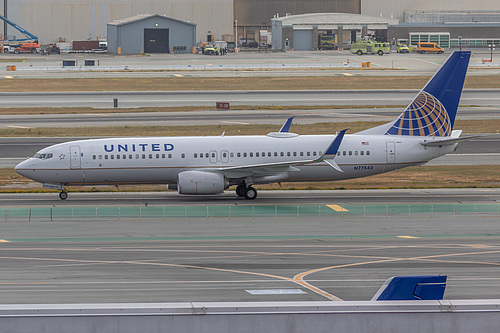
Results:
[492, 47]
[460, 42]
[236, 34]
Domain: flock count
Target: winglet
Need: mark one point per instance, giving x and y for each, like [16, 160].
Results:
[334, 146]
[286, 126]
[406, 288]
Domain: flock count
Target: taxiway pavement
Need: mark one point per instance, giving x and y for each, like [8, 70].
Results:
[268, 259]
[136, 99]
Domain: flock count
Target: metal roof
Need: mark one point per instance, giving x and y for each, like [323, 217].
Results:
[141, 17]
[335, 19]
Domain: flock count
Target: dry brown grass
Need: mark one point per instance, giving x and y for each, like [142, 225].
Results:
[235, 83]
[468, 126]
[87, 110]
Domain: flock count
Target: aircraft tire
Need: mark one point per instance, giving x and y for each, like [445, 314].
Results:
[63, 195]
[250, 193]
[240, 190]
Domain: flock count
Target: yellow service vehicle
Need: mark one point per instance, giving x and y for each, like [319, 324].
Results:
[379, 48]
[402, 48]
[326, 42]
[211, 49]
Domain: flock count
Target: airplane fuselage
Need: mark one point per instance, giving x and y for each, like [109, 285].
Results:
[161, 159]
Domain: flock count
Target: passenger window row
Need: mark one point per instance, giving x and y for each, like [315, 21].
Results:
[213, 155]
[355, 153]
[131, 156]
[260, 154]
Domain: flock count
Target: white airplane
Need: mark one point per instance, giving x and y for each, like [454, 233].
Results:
[210, 165]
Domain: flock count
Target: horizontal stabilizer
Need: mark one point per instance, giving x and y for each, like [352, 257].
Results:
[451, 141]
[408, 288]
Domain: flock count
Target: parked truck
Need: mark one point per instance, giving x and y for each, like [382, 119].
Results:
[326, 42]
[25, 48]
[379, 48]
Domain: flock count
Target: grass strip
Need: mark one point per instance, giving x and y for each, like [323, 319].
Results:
[468, 126]
[235, 83]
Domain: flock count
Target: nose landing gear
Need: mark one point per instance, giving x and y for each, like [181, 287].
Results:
[63, 195]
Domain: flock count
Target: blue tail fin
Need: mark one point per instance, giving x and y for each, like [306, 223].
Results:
[433, 111]
[407, 288]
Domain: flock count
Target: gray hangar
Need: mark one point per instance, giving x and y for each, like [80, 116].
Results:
[151, 33]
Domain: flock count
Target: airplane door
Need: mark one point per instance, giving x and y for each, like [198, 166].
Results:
[213, 156]
[76, 157]
[391, 152]
[224, 156]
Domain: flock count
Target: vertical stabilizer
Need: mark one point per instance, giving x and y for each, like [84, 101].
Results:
[433, 111]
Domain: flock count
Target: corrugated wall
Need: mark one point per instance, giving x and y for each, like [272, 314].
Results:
[81, 19]
[395, 9]
[260, 12]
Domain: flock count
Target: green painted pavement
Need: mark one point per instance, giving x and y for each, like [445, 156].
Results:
[245, 211]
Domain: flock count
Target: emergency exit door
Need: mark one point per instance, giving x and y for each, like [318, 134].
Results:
[391, 152]
[76, 157]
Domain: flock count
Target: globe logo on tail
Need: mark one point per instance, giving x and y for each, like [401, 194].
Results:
[425, 116]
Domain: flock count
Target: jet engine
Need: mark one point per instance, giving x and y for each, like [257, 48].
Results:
[201, 182]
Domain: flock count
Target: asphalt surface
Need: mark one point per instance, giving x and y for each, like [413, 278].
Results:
[266, 259]
[136, 99]
[103, 260]
[392, 65]
[171, 198]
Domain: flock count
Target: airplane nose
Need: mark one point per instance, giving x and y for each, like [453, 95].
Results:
[22, 168]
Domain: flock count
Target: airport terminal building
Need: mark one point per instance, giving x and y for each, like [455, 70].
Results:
[475, 23]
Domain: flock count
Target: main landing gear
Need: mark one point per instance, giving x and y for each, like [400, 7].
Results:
[248, 192]
[63, 195]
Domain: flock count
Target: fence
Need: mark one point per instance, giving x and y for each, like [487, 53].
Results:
[254, 212]
[190, 67]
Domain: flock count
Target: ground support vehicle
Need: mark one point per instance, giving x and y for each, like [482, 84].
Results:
[326, 42]
[429, 48]
[50, 49]
[211, 49]
[402, 48]
[29, 36]
[27, 48]
[379, 48]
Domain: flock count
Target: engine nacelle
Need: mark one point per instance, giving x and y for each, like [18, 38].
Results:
[201, 182]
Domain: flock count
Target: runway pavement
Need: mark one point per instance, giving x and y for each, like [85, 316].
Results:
[171, 198]
[226, 117]
[136, 99]
[242, 259]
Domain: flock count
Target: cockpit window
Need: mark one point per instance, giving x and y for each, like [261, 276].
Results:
[43, 156]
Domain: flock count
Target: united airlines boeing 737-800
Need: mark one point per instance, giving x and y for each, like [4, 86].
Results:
[209, 165]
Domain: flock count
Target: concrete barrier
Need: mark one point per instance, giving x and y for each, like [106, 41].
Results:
[276, 317]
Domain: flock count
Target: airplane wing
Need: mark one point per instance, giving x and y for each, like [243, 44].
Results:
[286, 126]
[268, 169]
